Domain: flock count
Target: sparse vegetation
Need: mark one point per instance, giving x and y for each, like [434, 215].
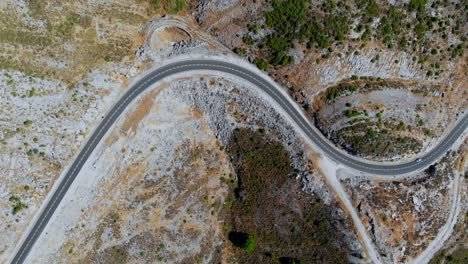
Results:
[62, 24]
[170, 6]
[367, 132]
[260, 223]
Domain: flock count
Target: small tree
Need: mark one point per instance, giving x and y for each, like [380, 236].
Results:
[261, 64]
[243, 240]
[249, 244]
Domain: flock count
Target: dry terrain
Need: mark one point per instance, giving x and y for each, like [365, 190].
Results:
[404, 216]
[203, 168]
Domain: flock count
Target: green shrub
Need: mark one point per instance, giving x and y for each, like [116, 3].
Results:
[278, 47]
[261, 64]
[253, 28]
[247, 40]
[376, 58]
[250, 244]
[27, 122]
[417, 5]
[334, 92]
[351, 113]
[17, 205]
[372, 8]
[401, 126]
[32, 92]
[240, 50]
[286, 17]
[338, 26]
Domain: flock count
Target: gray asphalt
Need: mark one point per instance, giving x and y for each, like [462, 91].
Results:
[257, 80]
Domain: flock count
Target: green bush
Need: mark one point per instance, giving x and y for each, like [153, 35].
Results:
[240, 50]
[417, 5]
[278, 47]
[250, 244]
[32, 92]
[334, 92]
[253, 28]
[298, 21]
[27, 122]
[247, 40]
[401, 126]
[351, 113]
[338, 26]
[261, 64]
[303, 229]
[372, 8]
[286, 17]
[17, 204]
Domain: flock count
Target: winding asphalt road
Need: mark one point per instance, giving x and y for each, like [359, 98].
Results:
[261, 83]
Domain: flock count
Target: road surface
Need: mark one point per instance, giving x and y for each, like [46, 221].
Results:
[260, 82]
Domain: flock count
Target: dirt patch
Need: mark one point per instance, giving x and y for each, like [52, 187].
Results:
[164, 37]
[133, 119]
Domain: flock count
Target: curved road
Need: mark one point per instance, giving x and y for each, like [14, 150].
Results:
[257, 80]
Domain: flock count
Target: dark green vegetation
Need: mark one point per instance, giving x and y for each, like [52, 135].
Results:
[17, 205]
[27, 122]
[327, 24]
[335, 92]
[375, 139]
[355, 84]
[295, 21]
[268, 218]
[243, 240]
[261, 64]
[351, 113]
